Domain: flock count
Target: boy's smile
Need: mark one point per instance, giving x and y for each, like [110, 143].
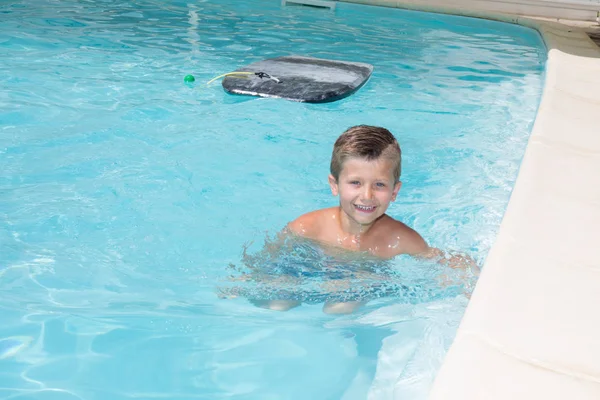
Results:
[365, 209]
[366, 189]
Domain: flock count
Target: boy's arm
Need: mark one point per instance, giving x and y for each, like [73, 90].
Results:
[415, 245]
[303, 226]
[293, 229]
[461, 261]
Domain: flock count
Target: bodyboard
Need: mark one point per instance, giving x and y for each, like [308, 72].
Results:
[297, 78]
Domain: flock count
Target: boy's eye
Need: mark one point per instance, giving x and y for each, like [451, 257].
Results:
[354, 182]
[380, 184]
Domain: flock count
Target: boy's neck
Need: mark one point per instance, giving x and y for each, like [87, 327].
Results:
[350, 227]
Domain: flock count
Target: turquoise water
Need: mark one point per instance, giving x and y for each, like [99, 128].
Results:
[125, 194]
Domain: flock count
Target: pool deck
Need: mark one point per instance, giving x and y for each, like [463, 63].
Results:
[532, 328]
[595, 37]
[591, 28]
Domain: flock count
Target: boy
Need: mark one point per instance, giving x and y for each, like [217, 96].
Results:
[365, 174]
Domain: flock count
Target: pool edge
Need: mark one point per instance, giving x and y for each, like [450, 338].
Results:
[530, 331]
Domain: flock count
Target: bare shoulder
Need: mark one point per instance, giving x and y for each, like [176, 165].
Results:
[394, 238]
[312, 223]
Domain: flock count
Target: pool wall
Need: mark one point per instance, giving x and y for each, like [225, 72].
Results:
[585, 10]
[532, 327]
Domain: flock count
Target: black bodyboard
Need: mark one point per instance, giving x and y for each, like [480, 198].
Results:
[297, 78]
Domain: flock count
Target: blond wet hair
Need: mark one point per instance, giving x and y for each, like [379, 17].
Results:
[367, 142]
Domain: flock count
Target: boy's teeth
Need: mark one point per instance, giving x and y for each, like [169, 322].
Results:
[364, 208]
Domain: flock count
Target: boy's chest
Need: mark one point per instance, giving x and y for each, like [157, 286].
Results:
[357, 243]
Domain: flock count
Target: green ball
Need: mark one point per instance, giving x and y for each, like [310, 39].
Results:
[189, 78]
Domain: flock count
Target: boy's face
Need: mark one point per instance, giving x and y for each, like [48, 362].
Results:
[366, 188]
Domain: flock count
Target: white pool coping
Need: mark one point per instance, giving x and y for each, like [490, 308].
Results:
[532, 328]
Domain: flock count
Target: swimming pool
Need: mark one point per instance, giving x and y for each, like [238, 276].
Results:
[125, 193]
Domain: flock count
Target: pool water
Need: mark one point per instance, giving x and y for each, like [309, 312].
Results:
[126, 194]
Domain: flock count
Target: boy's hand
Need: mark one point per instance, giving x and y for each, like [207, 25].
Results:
[461, 261]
